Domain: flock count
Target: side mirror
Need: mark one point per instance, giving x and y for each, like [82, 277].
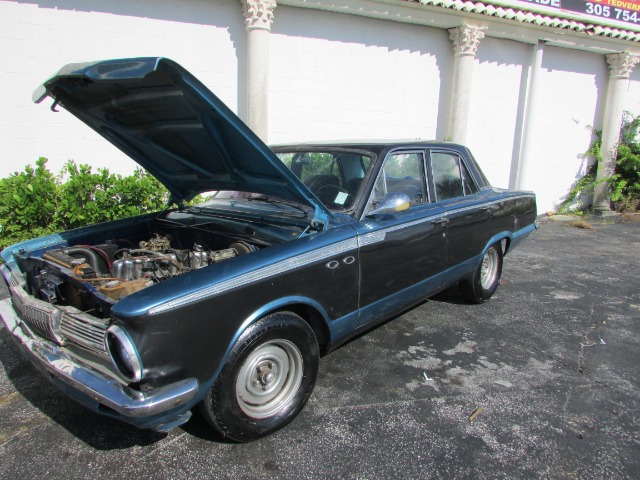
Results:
[391, 203]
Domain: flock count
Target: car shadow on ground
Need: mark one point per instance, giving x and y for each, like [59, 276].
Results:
[451, 295]
[41, 401]
[45, 402]
[198, 427]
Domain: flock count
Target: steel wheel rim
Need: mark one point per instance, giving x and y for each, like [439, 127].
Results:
[489, 269]
[269, 378]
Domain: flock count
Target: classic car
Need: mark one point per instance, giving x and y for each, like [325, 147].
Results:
[227, 305]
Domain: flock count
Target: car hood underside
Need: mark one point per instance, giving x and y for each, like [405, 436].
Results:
[172, 125]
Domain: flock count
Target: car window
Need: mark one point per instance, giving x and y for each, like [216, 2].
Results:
[450, 176]
[403, 173]
[335, 177]
[467, 181]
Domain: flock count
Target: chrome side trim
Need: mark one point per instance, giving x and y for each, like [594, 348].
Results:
[371, 238]
[380, 235]
[308, 258]
[486, 204]
[107, 391]
[287, 265]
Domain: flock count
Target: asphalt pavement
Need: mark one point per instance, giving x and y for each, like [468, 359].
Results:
[542, 381]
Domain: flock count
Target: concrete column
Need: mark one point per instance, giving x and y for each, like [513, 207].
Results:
[530, 137]
[465, 43]
[620, 67]
[258, 17]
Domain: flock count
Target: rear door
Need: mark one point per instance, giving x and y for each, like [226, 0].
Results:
[468, 226]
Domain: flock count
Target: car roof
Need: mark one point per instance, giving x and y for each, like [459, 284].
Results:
[375, 146]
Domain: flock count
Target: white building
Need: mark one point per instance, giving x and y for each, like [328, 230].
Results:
[520, 82]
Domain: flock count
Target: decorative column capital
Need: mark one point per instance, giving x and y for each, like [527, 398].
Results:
[621, 64]
[466, 39]
[258, 14]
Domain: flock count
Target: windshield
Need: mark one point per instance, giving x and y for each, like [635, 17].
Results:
[336, 177]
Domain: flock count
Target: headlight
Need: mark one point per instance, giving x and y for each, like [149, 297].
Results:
[123, 353]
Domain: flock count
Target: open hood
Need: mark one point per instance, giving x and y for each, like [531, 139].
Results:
[172, 125]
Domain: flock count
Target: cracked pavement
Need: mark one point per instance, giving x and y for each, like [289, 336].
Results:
[552, 361]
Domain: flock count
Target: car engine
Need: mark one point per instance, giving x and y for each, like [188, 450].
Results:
[93, 277]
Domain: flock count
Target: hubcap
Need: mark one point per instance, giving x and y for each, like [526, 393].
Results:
[269, 378]
[489, 269]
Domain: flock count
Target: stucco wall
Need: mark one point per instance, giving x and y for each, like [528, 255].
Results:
[38, 37]
[633, 94]
[332, 76]
[497, 94]
[574, 88]
[346, 77]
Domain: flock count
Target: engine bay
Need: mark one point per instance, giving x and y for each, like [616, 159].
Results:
[93, 276]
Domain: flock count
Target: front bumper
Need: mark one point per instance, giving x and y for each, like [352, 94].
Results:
[158, 409]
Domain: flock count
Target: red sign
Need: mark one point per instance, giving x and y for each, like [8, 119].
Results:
[626, 11]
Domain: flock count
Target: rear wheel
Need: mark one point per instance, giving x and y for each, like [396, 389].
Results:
[267, 379]
[483, 282]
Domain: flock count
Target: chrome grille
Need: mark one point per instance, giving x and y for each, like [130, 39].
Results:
[62, 325]
[40, 316]
[85, 331]
[15, 278]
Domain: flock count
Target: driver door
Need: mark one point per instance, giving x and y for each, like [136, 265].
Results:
[401, 252]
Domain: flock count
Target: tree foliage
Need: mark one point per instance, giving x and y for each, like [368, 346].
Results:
[35, 202]
[624, 184]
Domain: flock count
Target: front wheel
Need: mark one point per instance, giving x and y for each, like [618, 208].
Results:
[266, 380]
[483, 282]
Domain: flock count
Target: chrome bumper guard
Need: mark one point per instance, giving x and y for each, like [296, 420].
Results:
[108, 392]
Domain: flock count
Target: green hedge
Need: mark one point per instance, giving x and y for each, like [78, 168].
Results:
[36, 202]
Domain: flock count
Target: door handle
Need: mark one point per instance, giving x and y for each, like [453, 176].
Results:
[441, 221]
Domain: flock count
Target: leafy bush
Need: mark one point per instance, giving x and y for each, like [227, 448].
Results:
[35, 202]
[28, 202]
[625, 181]
[87, 198]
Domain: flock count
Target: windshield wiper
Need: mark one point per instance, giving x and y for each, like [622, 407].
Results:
[231, 233]
[274, 201]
